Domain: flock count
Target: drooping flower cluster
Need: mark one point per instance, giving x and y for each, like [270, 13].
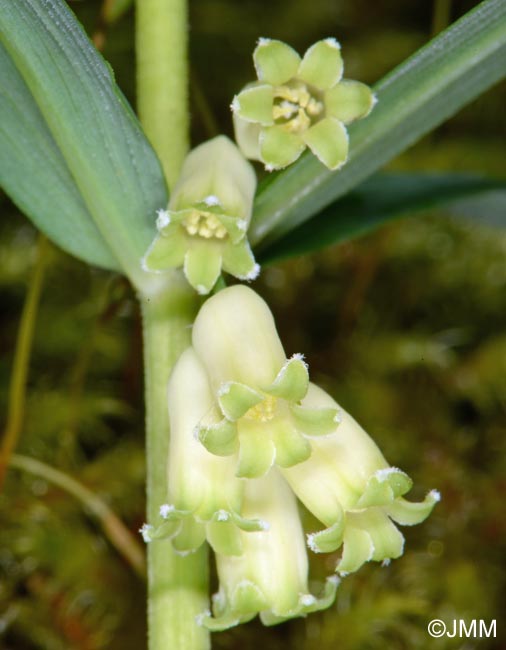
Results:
[204, 228]
[249, 434]
[298, 103]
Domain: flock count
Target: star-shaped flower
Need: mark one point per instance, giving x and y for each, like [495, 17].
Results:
[348, 485]
[257, 389]
[204, 228]
[298, 103]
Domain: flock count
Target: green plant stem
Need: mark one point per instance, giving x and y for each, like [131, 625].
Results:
[115, 530]
[177, 586]
[17, 388]
[162, 79]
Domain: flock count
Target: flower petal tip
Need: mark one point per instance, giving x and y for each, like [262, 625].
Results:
[254, 273]
[145, 530]
[333, 42]
[435, 496]
[338, 417]
[162, 219]
[311, 542]
[211, 200]
[202, 290]
[235, 106]
[222, 515]
[298, 356]
[166, 509]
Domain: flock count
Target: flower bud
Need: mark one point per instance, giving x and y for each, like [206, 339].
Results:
[348, 485]
[204, 229]
[270, 577]
[257, 390]
[298, 103]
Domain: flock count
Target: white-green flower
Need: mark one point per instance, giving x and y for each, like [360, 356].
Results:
[257, 391]
[204, 495]
[270, 577]
[204, 228]
[349, 486]
[298, 103]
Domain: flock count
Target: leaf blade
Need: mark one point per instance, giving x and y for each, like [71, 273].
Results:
[36, 177]
[376, 201]
[113, 165]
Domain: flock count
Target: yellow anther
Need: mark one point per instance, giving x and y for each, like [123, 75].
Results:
[264, 411]
[295, 109]
[314, 107]
[204, 224]
[300, 123]
[284, 110]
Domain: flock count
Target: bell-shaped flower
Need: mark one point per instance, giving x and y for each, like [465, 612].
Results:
[204, 495]
[349, 486]
[270, 577]
[204, 228]
[257, 390]
[298, 103]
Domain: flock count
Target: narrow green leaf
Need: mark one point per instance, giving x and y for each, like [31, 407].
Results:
[114, 168]
[381, 198]
[488, 209]
[420, 94]
[34, 174]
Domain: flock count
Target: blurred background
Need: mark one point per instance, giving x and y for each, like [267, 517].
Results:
[405, 327]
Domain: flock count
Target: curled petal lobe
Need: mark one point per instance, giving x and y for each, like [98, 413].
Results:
[279, 148]
[220, 438]
[202, 265]
[254, 104]
[291, 447]
[358, 548]
[384, 487]
[315, 421]
[165, 253]
[369, 536]
[408, 513]
[275, 61]
[235, 399]
[292, 380]
[322, 65]
[328, 140]
[349, 101]
[238, 260]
